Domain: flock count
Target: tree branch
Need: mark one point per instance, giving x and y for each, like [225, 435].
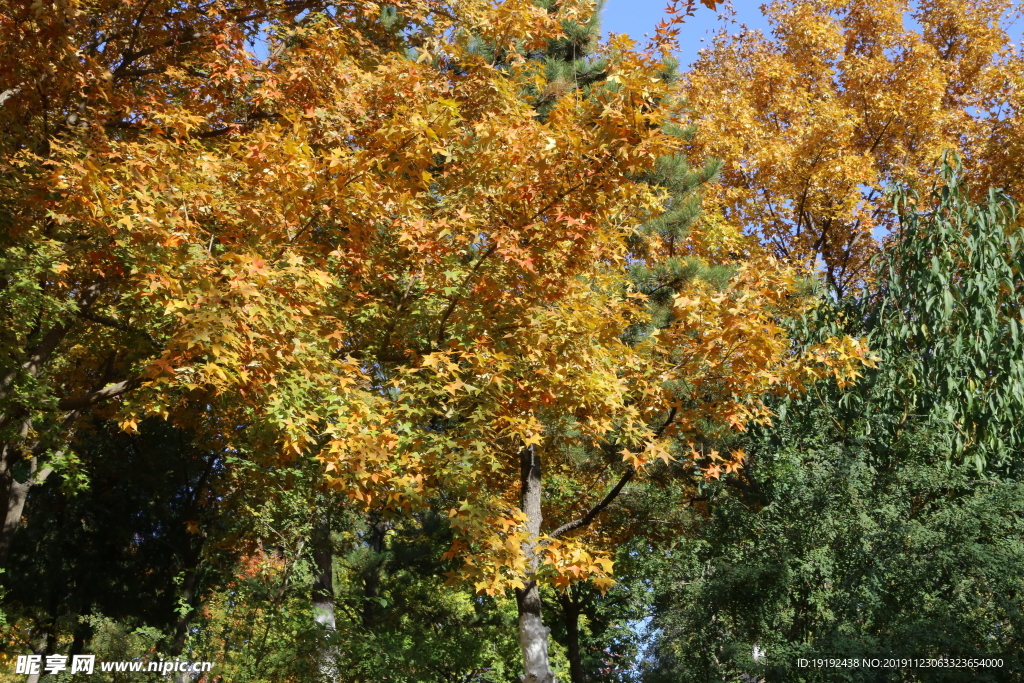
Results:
[8, 94]
[107, 321]
[458, 297]
[472, 273]
[37, 356]
[612, 495]
[597, 509]
[109, 391]
[212, 133]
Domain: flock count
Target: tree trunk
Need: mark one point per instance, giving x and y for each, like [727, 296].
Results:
[371, 578]
[188, 596]
[40, 650]
[12, 501]
[571, 618]
[533, 635]
[189, 593]
[323, 598]
[13, 492]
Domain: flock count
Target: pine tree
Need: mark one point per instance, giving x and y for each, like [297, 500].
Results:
[570, 65]
[569, 62]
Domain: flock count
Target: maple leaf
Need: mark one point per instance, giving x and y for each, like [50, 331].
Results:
[713, 472]
[454, 387]
[533, 440]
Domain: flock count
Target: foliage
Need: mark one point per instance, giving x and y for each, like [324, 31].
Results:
[883, 520]
[396, 620]
[843, 98]
[953, 289]
[838, 559]
[402, 253]
[607, 638]
[945, 318]
[112, 555]
[375, 205]
[105, 572]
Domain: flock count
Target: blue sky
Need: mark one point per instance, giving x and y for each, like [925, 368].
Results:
[637, 17]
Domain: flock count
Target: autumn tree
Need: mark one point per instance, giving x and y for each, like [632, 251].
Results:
[844, 97]
[369, 248]
[573, 65]
[480, 417]
[106, 80]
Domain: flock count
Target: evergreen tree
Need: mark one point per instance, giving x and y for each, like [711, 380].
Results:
[569, 63]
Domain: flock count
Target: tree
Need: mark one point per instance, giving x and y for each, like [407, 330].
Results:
[843, 98]
[116, 236]
[369, 249]
[524, 379]
[113, 91]
[836, 559]
[879, 520]
[570, 66]
[945, 317]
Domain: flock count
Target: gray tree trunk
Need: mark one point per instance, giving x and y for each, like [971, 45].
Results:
[41, 650]
[533, 635]
[12, 501]
[571, 608]
[323, 598]
[13, 492]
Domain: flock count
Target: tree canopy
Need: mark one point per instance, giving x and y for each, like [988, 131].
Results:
[843, 98]
[364, 360]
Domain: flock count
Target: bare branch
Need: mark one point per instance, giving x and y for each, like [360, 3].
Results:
[241, 126]
[597, 509]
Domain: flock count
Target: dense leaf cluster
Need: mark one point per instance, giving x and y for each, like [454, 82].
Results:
[884, 520]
